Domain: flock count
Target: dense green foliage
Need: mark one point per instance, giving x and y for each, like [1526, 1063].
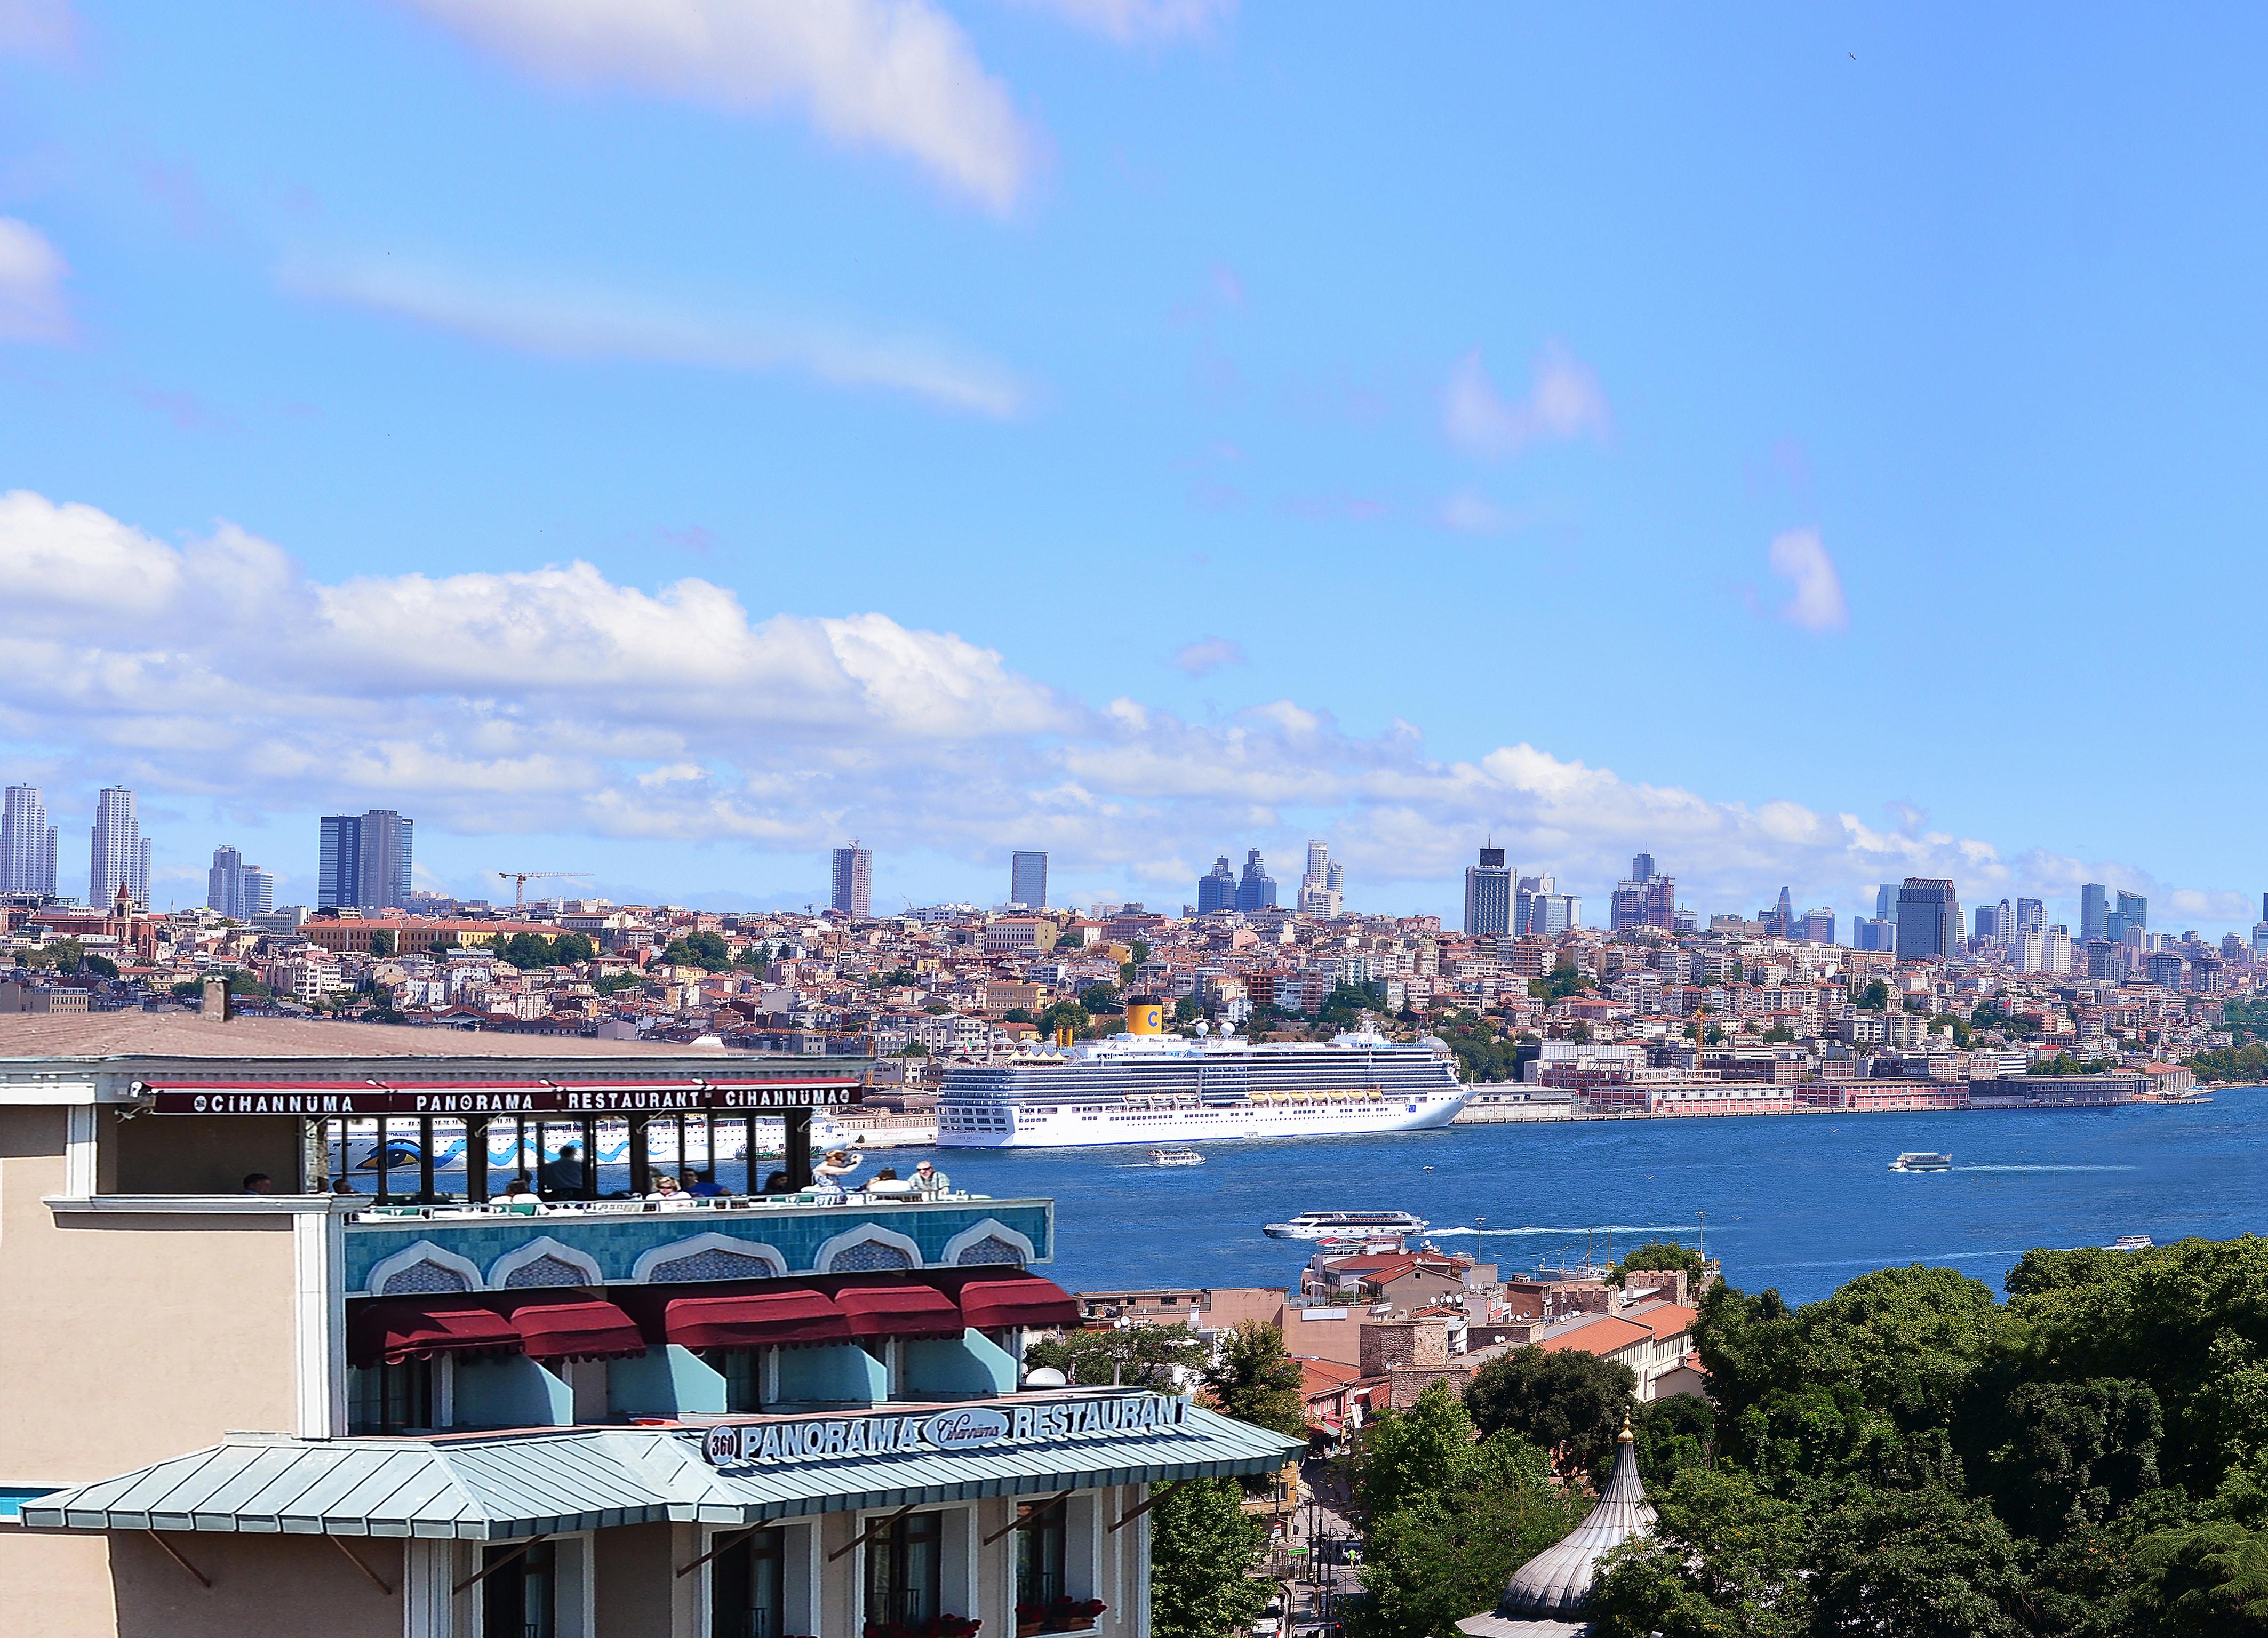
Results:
[1143, 1355]
[706, 950]
[1203, 1551]
[2246, 1018]
[1565, 980]
[1485, 1052]
[2088, 1460]
[1447, 1519]
[1656, 1256]
[533, 950]
[1346, 1004]
[1875, 997]
[1572, 1404]
[1254, 1380]
[2243, 1066]
[2063, 1063]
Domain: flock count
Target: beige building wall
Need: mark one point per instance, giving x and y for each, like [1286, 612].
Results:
[128, 1339]
[124, 1586]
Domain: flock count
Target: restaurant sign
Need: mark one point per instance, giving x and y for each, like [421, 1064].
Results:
[836, 1438]
[544, 1098]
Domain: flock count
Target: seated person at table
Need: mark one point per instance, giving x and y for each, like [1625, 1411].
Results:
[562, 1178]
[705, 1185]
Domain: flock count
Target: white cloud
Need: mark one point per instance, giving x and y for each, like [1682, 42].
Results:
[556, 700]
[894, 74]
[36, 28]
[564, 325]
[31, 273]
[1564, 402]
[1469, 513]
[1207, 655]
[1800, 558]
[1127, 21]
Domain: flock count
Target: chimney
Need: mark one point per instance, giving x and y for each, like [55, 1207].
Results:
[216, 1003]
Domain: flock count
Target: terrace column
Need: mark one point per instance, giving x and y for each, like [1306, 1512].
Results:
[798, 1148]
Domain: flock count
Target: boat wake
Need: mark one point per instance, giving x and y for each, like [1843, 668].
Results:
[1596, 1228]
[2047, 1168]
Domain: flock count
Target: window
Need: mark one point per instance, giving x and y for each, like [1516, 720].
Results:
[521, 1599]
[744, 1377]
[747, 1588]
[390, 1399]
[903, 1566]
[1039, 1554]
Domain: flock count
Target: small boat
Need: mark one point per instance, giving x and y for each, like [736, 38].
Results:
[2131, 1242]
[1175, 1157]
[1336, 1225]
[1922, 1160]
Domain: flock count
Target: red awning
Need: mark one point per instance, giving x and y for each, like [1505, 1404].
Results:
[575, 1328]
[899, 1310]
[396, 1333]
[767, 1319]
[1024, 1300]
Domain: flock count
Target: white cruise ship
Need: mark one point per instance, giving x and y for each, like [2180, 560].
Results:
[1146, 1087]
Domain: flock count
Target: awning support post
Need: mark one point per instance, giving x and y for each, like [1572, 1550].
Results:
[487, 1570]
[1025, 1514]
[724, 1545]
[798, 1150]
[1156, 1496]
[166, 1547]
[369, 1574]
[872, 1530]
[641, 1157]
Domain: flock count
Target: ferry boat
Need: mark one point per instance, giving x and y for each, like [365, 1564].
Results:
[1147, 1087]
[1922, 1160]
[1336, 1225]
[2131, 1242]
[1175, 1157]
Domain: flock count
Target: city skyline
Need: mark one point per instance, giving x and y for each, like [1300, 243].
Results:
[1608, 377]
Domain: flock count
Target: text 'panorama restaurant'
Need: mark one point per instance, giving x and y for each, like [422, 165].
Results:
[383, 1333]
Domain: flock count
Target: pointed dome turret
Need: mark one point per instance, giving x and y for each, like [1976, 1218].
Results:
[1558, 1580]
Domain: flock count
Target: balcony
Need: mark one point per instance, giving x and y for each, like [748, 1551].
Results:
[421, 1250]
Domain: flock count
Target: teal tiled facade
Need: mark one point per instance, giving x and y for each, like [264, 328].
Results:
[615, 1241]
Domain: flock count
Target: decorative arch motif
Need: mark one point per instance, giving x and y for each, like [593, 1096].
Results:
[710, 1256]
[989, 1241]
[869, 1248]
[544, 1261]
[423, 1269]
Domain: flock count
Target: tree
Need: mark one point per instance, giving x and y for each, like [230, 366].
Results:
[704, 950]
[1016, 1015]
[1138, 1356]
[1661, 1257]
[1572, 1404]
[102, 964]
[1875, 998]
[913, 1049]
[1448, 1520]
[573, 947]
[1922, 1563]
[1061, 1014]
[1186, 1011]
[1203, 1552]
[381, 942]
[1254, 1380]
[1723, 1560]
[753, 959]
[1672, 1436]
[1102, 997]
[65, 955]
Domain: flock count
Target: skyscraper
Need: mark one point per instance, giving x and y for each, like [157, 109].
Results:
[2094, 910]
[1886, 902]
[364, 861]
[1488, 895]
[1817, 927]
[27, 843]
[1783, 915]
[2126, 925]
[1929, 918]
[1255, 890]
[2031, 916]
[854, 881]
[236, 889]
[1216, 888]
[1996, 924]
[121, 854]
[1027, 879]
[1646, 899]
[1320, 885]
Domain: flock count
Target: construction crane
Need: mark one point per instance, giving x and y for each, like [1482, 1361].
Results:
[519, 880]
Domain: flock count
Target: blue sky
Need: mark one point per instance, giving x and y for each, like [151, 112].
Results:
[663, 439]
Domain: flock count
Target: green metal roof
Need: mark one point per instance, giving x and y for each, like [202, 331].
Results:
[503, 1485]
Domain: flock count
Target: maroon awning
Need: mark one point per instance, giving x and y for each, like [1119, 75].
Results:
[756, 1320]
[1023, 1299]
[395, 1333]
[575, 1327]
[899, 1310]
